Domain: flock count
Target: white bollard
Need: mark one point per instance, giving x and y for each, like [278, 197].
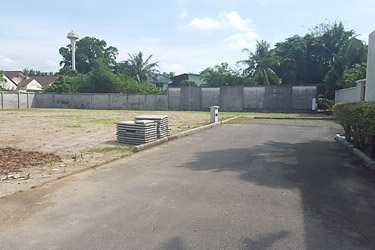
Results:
[214, 114]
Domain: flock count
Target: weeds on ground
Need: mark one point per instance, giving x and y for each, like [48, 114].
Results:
[109, 149]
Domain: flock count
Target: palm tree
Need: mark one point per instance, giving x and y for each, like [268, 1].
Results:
[259, 65]
[141, 70]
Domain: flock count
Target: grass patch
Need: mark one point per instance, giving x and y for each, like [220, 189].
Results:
[239, 120]
[100, 120]
[109, 149]
[46, 110]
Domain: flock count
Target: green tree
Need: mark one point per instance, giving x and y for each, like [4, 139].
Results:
[222, 75]
[320, 56]
[31, 72]
[291, 56]
[334, 39]
[350, 76]
[259, 65]
[2, 79]
[354, 52]
[63, 84]
[100, 79]
[168, 75]
[67, 71]
[188, 83]
[138, 68]
[302, 60]
[87, 50]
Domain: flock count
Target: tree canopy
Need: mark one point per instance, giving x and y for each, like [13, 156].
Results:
[31, 72]
[138, 68]
[2, 79]
[258, 65]
[223, 75]
[328, 55]
[87, 50]
[100, 79]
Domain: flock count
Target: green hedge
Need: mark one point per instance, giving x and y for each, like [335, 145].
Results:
[358, 120]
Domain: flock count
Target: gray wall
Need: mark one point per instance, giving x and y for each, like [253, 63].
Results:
[210, 97]
[16, 100]
[229, 98]
[354, 94]
[102, 101]
[239, 98]
[254, 98]
[190, 98]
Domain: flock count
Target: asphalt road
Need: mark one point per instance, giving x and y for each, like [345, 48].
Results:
[242, 186]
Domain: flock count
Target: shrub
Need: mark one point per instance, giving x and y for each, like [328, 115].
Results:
[358, 120]
[324, 103]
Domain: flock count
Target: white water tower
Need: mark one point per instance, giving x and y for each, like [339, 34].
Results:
[73, 37]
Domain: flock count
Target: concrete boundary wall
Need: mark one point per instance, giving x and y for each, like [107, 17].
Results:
[16, 100]
[354, 94]
[229, 98]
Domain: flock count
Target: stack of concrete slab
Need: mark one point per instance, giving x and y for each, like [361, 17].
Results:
[161, 121]
[135, 133]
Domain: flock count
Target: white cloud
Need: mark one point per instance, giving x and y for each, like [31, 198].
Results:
[225, 21]
[204, 23]
[241, 41]
[7, 63]
[52, 65]
[235, 21]
[170, 67]
[237, 32]
[184, 14]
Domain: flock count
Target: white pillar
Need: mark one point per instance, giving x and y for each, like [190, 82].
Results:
[370, 74]
[73, 44]
[72, 36]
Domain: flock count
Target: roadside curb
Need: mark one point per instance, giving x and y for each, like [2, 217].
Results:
[366, 160]
[295, 118]
[179, 135]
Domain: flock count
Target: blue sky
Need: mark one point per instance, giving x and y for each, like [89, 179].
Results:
[184, 36]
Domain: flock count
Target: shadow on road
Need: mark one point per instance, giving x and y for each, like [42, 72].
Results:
[175, 243]
[265, 241]
[336, 190]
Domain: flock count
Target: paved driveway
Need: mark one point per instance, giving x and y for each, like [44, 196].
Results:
[241, 186]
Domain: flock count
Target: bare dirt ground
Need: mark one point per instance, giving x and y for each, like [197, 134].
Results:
[40, 145]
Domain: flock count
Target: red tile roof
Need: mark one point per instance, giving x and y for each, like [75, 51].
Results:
[42, 80]
[45, 80]
[25, 82]
[13, 74]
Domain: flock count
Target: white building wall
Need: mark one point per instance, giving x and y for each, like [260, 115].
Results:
[370, 74]
[34, 86]
[8, 84]
[197, 79]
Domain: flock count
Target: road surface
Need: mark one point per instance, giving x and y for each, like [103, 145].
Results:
[238, 186]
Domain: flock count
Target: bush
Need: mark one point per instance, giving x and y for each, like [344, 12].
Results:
[358, 120]
[325, 103]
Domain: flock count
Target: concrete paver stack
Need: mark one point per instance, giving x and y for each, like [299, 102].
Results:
[136, 132]
[161, 121]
